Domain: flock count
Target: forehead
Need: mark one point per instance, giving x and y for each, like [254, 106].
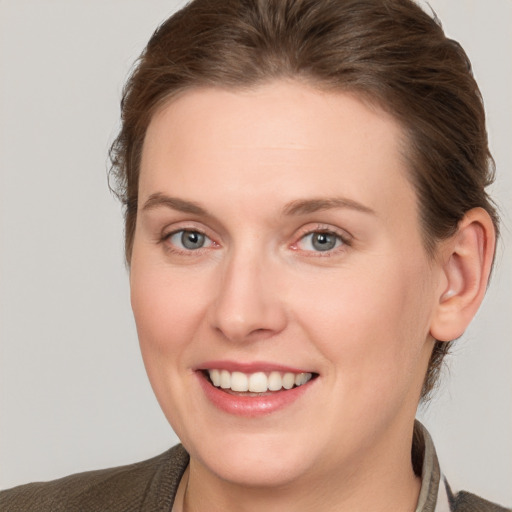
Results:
[282, 136]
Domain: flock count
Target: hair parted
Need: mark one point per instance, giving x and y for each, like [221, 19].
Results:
[388, 52]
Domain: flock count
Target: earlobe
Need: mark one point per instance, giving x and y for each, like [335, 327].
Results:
[466, 264]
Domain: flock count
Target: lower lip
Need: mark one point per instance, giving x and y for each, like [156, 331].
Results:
[251, 406]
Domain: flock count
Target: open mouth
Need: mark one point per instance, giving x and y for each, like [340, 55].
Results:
[258, 383]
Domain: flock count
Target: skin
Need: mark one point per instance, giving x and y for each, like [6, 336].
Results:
[359, 315]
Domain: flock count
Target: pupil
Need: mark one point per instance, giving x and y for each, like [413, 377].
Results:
[192, 239]
[323, 241]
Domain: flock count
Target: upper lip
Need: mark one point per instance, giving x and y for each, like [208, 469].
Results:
[252, 367]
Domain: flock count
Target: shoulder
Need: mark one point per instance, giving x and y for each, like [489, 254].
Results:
[466, 502]
[147, 485]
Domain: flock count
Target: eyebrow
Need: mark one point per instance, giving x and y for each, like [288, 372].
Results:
[296, 207]
[305, 206]
[158, 200]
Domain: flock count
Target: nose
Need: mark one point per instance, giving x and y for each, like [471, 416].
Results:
[248, 305]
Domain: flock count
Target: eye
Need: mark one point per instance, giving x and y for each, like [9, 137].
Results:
[189, 240]
[320, 241]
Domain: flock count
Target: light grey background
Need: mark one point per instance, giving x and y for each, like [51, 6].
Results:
[74, 395]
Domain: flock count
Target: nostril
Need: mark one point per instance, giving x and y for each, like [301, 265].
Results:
[240, 333]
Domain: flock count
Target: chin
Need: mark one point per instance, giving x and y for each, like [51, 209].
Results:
[256, 472]
[253, 460]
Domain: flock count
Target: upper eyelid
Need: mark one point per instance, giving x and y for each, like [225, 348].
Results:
[169, 234]
[185, 230]
[176, 227]
[324, 228]
[164, 235]
[179, 230]
[160, 222]
[344, 241]
[341, 233]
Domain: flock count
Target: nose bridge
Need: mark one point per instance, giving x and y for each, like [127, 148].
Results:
[247, 301]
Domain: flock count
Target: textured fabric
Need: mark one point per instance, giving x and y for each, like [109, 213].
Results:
[423, 450]
[435, 494]
[146, 486]
[466, 502]
[151, 486]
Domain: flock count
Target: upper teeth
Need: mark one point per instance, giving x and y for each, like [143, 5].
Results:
[258, 382]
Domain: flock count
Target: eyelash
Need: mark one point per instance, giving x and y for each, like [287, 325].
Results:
[172, 247]
[343, 241]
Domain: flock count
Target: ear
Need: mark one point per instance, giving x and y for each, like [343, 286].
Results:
[466, 260]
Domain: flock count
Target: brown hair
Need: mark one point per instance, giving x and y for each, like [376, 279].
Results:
[389, 52]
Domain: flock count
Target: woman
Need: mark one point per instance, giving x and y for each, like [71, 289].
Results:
[307, 230]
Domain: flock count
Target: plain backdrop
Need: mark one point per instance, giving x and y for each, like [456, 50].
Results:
[73, 392]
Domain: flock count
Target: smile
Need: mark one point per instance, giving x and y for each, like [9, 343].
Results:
[253, 390]
[258, 382]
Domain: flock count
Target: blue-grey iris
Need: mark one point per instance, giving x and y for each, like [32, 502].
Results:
[323, 241]
[192, 240]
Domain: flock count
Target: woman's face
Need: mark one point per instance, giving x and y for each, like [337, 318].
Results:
[278, 241]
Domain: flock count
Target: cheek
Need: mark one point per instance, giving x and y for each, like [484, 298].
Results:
[167, 307]
[167, 311]
[372, 324]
